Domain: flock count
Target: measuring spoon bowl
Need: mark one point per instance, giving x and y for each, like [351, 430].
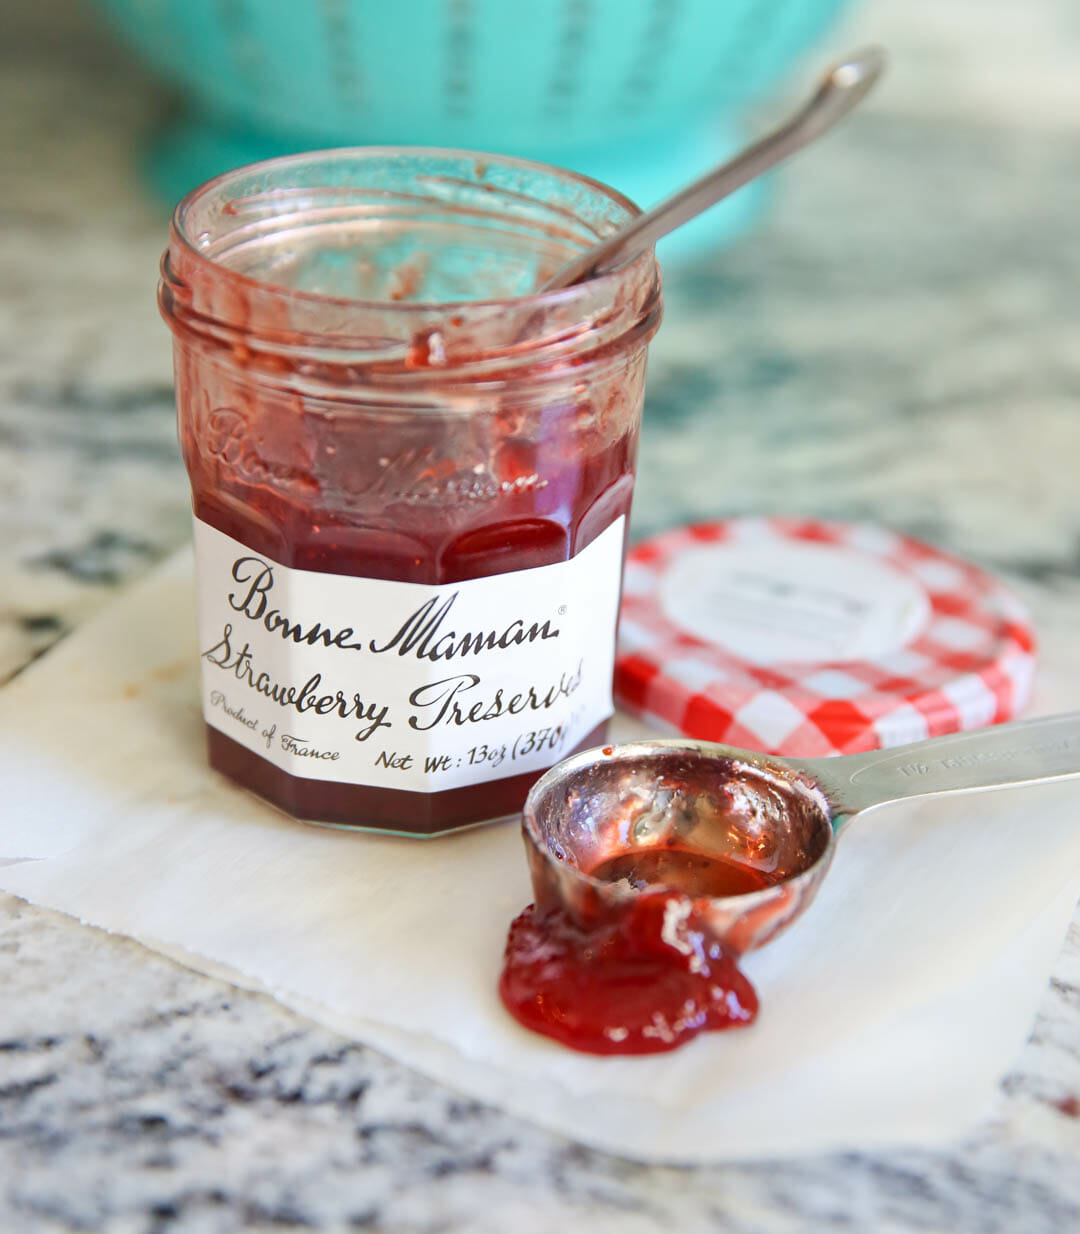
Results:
[775, 819]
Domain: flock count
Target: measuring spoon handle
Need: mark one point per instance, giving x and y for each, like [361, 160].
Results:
[998, 757]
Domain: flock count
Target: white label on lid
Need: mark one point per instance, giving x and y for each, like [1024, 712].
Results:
[779, 600]
[405, 685]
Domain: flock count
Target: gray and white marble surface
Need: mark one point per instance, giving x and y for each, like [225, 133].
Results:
[898, 342]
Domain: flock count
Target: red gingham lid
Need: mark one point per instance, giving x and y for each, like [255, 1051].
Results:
[807, 638]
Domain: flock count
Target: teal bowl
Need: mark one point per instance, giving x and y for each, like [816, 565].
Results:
[642, 94]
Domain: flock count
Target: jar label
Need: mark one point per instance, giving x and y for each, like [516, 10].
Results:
[406, 685]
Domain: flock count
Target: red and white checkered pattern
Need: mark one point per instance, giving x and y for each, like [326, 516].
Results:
[971, 665]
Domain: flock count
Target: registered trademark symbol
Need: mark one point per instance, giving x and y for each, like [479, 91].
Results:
[562, 610]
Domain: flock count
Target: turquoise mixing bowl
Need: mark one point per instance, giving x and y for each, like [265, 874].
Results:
[639, 93]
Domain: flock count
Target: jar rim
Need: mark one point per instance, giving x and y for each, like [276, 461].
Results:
[404, 308]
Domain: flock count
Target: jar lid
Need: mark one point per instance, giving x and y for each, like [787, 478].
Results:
[807, 638]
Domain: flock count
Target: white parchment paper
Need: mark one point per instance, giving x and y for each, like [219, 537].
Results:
[888, 1014]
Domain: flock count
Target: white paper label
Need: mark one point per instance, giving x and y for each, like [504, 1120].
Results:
[405, 685]
[770, 601]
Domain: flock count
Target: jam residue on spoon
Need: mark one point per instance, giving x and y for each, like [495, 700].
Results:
[643, 980]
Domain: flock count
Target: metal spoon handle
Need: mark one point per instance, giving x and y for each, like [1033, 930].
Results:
[997, 757]
[841, 88]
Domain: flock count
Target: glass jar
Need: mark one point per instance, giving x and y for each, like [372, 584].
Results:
[410, 473]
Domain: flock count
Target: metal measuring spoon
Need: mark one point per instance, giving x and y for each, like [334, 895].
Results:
[840, 89]
[777, 816]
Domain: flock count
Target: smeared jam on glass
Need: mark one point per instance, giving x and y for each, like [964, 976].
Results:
[640, 982]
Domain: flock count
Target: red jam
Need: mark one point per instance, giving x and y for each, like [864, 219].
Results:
[620, 989]
[692, 873]
[642, 983]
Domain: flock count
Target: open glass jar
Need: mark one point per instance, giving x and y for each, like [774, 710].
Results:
[411, 475]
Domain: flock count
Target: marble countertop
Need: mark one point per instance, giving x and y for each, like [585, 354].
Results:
[898, 342]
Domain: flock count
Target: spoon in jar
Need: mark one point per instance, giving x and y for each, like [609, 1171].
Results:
[841, 88]
[773, 822]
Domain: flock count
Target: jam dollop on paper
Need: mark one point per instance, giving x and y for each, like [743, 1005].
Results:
[641, 981]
